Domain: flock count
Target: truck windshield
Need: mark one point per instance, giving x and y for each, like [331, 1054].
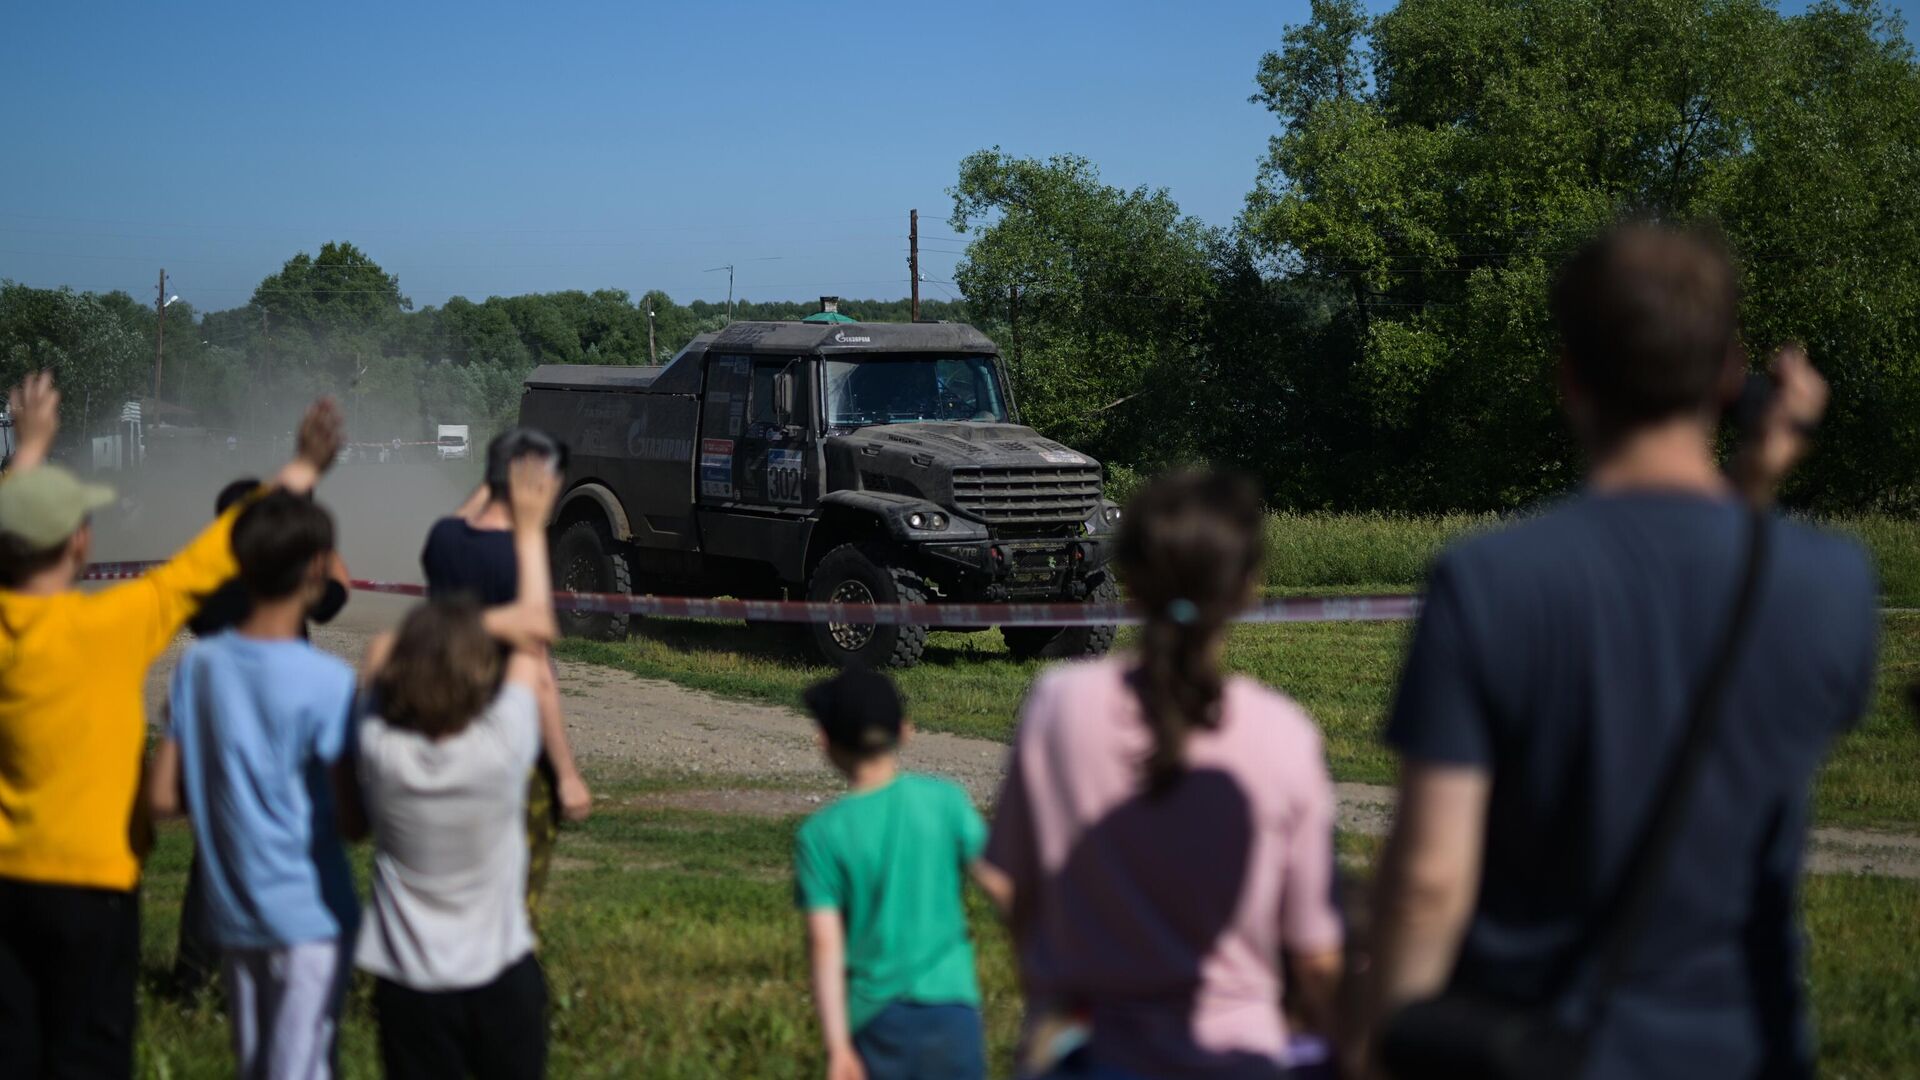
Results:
[902, 389]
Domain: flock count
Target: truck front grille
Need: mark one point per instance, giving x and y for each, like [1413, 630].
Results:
[1027, 494]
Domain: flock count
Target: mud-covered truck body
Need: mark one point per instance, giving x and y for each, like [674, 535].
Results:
[862, 463]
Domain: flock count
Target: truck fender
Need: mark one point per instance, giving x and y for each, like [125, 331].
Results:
[887, 514]
[601, 496]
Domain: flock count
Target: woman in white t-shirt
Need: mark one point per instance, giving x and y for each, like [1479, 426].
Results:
[442, 770]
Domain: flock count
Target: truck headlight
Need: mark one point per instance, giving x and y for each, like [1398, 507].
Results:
[1110, 515]
[927, 522]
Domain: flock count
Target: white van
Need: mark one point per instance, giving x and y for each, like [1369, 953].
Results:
[453, 442]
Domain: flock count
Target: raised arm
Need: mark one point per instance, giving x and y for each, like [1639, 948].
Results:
[528, 622]
[322, 433]
[168, 595]
[35, 407]
[1784, 433]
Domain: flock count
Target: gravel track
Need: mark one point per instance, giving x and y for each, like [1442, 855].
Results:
[763, 760]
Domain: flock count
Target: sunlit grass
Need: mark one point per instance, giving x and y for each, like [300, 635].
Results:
[672, 949]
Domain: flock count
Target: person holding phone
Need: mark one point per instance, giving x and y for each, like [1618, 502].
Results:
[1549, 685]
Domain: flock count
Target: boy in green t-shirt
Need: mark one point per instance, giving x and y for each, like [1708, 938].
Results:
[879, 875]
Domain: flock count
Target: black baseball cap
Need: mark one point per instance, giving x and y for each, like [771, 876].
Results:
[858, 709]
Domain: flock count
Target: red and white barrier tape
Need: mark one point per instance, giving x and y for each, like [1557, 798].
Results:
[1287, 610]
[1295, 609]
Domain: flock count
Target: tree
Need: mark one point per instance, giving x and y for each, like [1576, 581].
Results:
[1098, 296]
[1491, 136]
[98, 360]
[340, 289]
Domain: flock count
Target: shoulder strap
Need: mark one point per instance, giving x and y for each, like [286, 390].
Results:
[1626, 918]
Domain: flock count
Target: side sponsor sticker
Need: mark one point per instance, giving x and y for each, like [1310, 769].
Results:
[716, 468]
[783, 476]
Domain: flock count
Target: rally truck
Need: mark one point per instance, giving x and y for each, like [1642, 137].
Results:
[851, 462]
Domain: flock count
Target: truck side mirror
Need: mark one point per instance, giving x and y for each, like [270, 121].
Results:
[783, 386]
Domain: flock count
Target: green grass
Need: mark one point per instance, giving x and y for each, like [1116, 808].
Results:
[1388, 551]
[1342, 672]
[673, 951]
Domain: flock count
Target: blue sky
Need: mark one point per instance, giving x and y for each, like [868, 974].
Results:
[479, 149]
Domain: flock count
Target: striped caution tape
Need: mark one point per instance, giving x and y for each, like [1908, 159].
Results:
[1288, 610]
[1293, 609]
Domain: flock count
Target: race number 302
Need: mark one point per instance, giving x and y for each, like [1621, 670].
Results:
[783, 476]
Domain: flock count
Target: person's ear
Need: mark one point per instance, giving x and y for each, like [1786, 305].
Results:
[80, 545]
[319, 569]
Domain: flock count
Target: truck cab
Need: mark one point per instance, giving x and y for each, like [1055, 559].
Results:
[860, 463]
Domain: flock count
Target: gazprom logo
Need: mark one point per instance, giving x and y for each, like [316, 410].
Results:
[843, 338]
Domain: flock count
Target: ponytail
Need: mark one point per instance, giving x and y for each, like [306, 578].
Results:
[1190, 550]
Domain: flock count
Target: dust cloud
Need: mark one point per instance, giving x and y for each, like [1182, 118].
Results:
[382, 511]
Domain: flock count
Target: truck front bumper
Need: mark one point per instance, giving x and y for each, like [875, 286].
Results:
[1000, 569]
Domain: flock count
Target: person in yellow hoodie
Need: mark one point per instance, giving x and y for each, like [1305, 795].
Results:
[73, 668]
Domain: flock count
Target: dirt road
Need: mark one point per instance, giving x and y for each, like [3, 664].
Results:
[759, 759]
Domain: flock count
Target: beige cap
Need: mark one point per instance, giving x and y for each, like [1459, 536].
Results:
[46, 505]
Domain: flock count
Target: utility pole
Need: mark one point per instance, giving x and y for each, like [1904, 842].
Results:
[159, 329]
[913, 258]
[729, 269]
[653, 354]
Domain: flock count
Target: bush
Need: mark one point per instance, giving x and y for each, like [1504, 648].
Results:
[1347, 550]
[1895, 545]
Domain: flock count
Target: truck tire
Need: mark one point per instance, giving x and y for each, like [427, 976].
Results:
[1065, 642]
[586, 559]
[864, 574]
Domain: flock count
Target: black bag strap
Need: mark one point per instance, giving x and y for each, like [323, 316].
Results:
[1627, 917]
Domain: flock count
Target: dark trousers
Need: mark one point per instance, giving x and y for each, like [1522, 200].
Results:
[923, 1042]
[68, 961]
[493, 1032]
[195, 957]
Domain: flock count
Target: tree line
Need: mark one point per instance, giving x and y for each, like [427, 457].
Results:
[1372, 331]
[1369, 332]
[336, 322]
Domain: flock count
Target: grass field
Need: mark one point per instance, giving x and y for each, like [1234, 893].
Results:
[673, 951]
[1384, 551]
[1342, 672]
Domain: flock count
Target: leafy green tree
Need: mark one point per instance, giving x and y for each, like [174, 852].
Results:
[339, 289]
[97, 358]
[1098, 296]
[1436, 162]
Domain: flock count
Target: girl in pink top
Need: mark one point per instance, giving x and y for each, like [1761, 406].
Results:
[1168, 830]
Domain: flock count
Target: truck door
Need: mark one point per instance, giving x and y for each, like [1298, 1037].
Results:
[774, 463]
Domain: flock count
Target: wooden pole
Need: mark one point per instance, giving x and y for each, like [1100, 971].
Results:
[159, 330]
[913, 258]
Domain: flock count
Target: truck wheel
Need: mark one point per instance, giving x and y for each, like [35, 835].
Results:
[860, 574]
[1065, 642]
[585, 559]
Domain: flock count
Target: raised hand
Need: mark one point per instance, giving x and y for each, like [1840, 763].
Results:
[533, 485]
[35, 407]
[323, 431]
[1784, 432]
